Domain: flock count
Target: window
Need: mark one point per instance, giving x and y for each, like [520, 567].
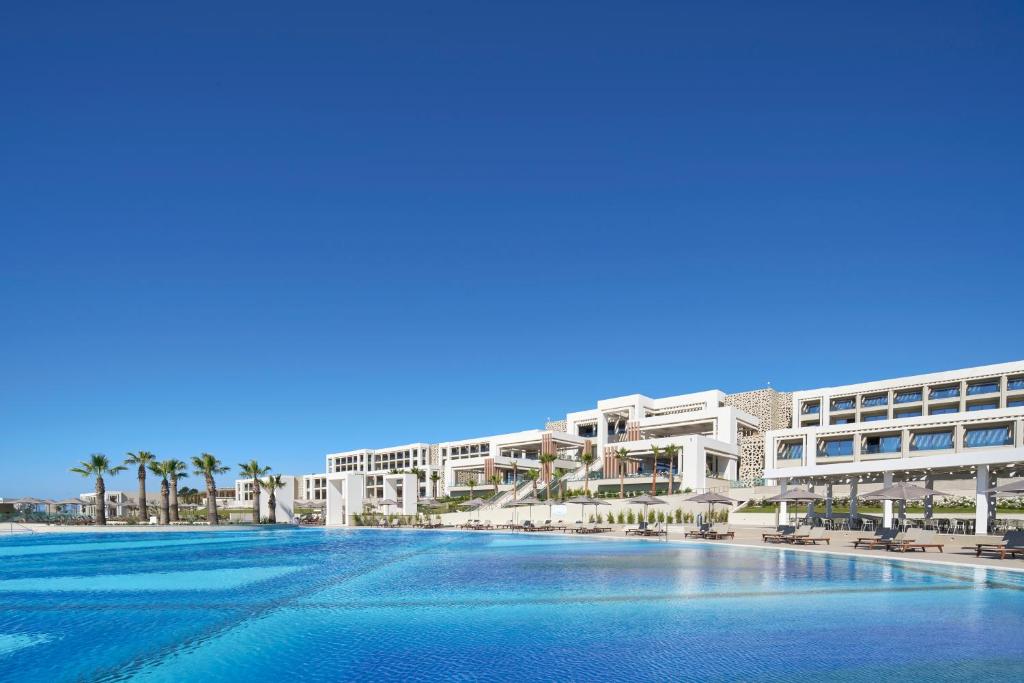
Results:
[986, 387]
[1015, 384]
[841, 420]
[1014, 402]
[889, 443]
[875, 417]
[910, 412]
[811, 408]
[987, 405]
[877, 400]
[982, 437]
[843, 404]
[932, 441]
[836, 448]
[943, 410]
[791, 450]
[909, 396]
[951, 391]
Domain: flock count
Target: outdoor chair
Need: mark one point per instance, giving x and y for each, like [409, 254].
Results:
[1012, 544]
[922, 541]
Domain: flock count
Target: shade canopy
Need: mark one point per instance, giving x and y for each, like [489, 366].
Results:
[474, 503]
[902, 492]
[70, 501]
[710, 497]
[796, 496]
[524, 502]
[386, 501]
[586, 500]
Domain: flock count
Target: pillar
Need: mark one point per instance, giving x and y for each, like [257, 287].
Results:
[828, 499]
[929, 500]
[810, 504]
[853, 498]
[981, 512]
[783, 512]
[887, 504]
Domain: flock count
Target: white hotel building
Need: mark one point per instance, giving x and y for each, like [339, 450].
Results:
[934, 429]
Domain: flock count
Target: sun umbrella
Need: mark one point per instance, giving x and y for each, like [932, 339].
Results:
[796, 496]
[529, 502]
[711, 498]
[645, 500]
[583, 501]
[1015, 488]
[475, 504]
[902, 492]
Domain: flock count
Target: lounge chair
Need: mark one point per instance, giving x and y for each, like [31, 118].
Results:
[656, 530]
[816, 536]
[718, 532]
[639, 530]
[922, 541]
[787, 534]
[699, 532]
[882, 538]
[1012, 545]
[593, 528]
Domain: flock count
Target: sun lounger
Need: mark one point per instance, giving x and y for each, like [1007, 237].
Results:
[717, 533]
[638, 530]
[816, 536]
[699, 532]
[592, 529]
[656, 530]
[1011, 544]
[922, 541]
[882, 538]
[786, 535]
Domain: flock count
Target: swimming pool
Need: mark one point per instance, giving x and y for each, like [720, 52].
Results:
[335, 605]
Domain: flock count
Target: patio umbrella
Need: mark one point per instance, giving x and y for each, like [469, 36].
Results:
[796, 496]
[475, 504]
[1015, 488]
[529, 502]
[902, 492]
[711, 498]
[583, 501]
[645, 500]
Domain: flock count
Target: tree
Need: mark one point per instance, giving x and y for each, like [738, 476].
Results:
[160, 469]
[434, 478]
[671, 452]
[560, 475]
[655, 452]
[622, 456]
[271, 484]
[472, 485]
[587, 458]
[255, 471]
[495, 480]
[176, 470]
[97, 466]
[142, 459]
[532, 476]
[207, 465]
[545, 460]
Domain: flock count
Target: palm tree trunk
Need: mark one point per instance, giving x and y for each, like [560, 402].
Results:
[622, 480]
[211, 501]
[174, 499]
[100, 517]
[255, 500]
[142, 493]
[165, 506]
[654, 478]
[586, 480]
[272, 505]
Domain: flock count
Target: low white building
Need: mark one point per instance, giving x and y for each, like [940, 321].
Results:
[927, 429]
[118, 504]
[241, 505]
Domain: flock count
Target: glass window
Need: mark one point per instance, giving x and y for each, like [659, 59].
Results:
[1015, 384]
[908, 396]
[875, 417]
[834, 448]
[986, 387]
[944, 392]
[980, 437]
[811, 408]
[942, 410]
[932, 441]
[1014, 402]
[842, 420]
[882, 444]
[792, 450]
[879, 400]
[988, 405]
[911, 412]
[843, 404]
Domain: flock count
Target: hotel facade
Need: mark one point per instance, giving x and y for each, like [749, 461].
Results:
[961, 425]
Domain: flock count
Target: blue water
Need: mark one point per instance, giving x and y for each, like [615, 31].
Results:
[315, 605]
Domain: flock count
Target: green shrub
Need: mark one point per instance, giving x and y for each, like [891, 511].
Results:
[679, 515]
[622, 517]
[630, 517]
[661, 516]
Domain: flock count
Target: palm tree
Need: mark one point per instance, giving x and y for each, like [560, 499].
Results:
[254, 470]
[545, 460]
[671, 451]
[96, 466]
[515, 475]
[495, 480]
[587, 458]
[434, 478]
[207, 465]
[272, 483]
[560, 475]
[472, 485]
[142, 459]
[176, 470]
[622, 456]
[655, 452]
[533, 476]
[160, 469]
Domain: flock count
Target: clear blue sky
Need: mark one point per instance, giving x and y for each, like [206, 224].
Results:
[278, 230]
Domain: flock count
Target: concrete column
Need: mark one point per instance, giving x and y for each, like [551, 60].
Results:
[783, 512]
[981, 501]
[992, 483]
[887, 505]
[928, 500]
[828, 499]
[810, 504]
[853, 498]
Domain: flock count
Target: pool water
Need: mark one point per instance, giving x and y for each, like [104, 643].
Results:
[339, 605]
